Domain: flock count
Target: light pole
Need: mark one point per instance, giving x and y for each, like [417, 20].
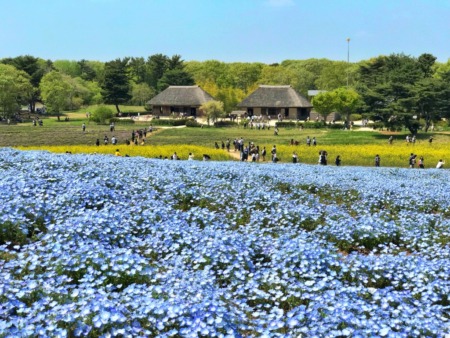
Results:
[348, 58]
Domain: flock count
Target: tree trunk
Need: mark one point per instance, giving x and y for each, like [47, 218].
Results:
[117, 107]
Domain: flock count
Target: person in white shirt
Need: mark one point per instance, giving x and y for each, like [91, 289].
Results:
[440, 164]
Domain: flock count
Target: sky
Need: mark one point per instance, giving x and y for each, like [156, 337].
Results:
[267, 31]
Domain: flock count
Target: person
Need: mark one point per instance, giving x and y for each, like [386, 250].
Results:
[440, 164]
[314, 142]
[421, 163]
[113, 140]
[274, 152]
[323, 157]
[206, 157]
[105, 140]
[430, 140]
[97, 143]
[377, 160]
[175, 156]
[228, 145]
[294, 157]
[83, 126]
[308, 141]
[190, 157]
[117, 153]
[391, 139]
[412, 160]
[263, 154]
[338, 160]
[216, 145]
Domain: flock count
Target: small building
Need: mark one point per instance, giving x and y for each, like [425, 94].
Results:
[180, 100]
[274, 101]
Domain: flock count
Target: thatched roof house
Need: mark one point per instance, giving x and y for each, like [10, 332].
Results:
[277, 101]
[179, 99]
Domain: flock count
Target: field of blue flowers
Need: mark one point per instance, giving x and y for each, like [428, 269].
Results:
[96, 245]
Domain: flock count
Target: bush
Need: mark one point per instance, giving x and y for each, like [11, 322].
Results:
[335, 126]
[121, 121]
[355, 117]
[225, 124]
[376, 125]
[286, 124]
[313, 125]
[169, 122]
[193, 123]
[102, 114]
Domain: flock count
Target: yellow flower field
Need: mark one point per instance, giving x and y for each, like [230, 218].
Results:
[396, 155]
[355, 155]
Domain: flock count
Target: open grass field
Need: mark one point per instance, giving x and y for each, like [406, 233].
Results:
[356, 147]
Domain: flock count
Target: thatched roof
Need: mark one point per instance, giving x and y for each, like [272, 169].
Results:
[275, 96]
[181, 96]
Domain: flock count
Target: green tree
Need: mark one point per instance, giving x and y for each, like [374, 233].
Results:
[68, 67]
[175, 77]
[137, 70]
[386, 85]
[116, 85]
[212, 110]
[15, 89]
[346, 102]
[324, 104]
[35, 68]
[141, 93]
[156, 66]
[56, 91]
[432, 99]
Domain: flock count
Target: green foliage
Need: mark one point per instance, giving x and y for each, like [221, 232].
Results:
[101, 114]
[141, 93]
[287, 124]
[175, 77]
[55, 90]
[116, 86]
[225, 123]
[193, 123]
[15, 89]
[324, 103]
[212, 110]
[169, 122]
[121, 121]
[11, 232]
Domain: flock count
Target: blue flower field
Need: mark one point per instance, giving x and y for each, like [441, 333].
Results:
[104, 246]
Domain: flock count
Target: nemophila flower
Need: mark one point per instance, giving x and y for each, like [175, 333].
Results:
[176, 249]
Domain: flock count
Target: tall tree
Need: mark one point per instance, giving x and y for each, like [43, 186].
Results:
[386, 85]
[175, 77]
[432, 100]
[15, 88]
[56, 91]
[116, 85]
[35, 68]
[157, 64]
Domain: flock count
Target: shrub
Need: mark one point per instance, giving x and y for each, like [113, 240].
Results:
[225, 124]
[287, 124]
[121, 121]
[335, 126]
[193, 123]
[169, 122]
[101, 114]
[355, 117]
[313, 125]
